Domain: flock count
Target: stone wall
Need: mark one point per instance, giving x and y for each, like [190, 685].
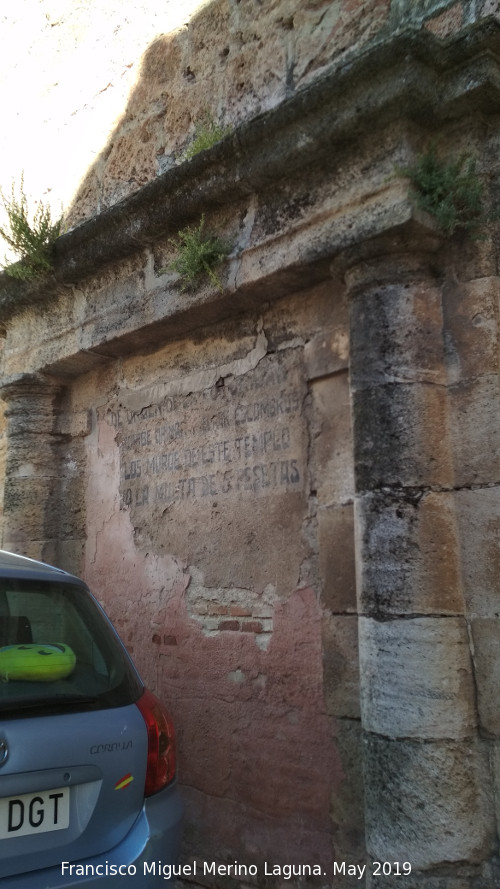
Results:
[284, 489]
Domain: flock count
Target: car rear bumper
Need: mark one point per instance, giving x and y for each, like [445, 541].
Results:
[143, 860]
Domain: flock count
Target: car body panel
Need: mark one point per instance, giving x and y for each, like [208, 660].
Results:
[154, 838]
[96, 749]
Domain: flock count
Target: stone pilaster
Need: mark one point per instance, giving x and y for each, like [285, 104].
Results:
[427, 783]
[32, 507]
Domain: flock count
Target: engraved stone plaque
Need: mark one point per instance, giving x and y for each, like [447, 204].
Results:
[217, 477]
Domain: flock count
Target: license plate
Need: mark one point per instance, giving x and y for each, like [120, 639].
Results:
[34, 813]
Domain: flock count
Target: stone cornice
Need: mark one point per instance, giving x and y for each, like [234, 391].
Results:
[412, 75]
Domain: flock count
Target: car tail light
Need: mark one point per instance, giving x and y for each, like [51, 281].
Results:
[161, 743]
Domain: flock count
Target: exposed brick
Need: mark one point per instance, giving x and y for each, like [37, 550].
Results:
[252, 626]
[215, 608]
[238, 611]
[229, 625]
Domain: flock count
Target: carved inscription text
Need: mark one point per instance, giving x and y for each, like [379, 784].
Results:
[218, 476]
[217, 443]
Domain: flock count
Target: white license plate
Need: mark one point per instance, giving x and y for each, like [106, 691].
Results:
[34, 813]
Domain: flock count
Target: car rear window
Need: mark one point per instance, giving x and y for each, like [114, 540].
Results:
[58, 651]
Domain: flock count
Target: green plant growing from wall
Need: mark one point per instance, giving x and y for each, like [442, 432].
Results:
[31, 236]
[198, 252]
[450, 190]
[207, 133]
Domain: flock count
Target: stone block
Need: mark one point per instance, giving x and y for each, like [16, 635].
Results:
[474, 412]
[188, 102]
[471, 328]
[66, 554]
[20, 543]
[327, 352]
[67, 507]
[341, 665]
[213, 18]
[486, 638]
[429, 804]
[401, 436]
[416, 678]
[33, 456]
[403, 324]
[336, 557]
[307, 315]
[408, 553]
[32, 508]
[478, 519]
[347, 808]
[331, 452]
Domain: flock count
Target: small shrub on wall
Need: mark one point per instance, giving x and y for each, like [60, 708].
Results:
[30, 236]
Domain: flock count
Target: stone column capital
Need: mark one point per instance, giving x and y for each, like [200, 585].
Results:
[409, 250]
[30, 402]
[26, 385]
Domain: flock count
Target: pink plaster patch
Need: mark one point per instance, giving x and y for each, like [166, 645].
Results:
[256, 746]
[257, 752]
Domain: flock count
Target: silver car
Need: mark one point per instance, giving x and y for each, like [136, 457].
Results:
[87, 754]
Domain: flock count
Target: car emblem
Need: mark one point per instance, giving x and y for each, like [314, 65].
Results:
[4, 751]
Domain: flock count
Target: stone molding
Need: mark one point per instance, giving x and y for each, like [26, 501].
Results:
[413, 76]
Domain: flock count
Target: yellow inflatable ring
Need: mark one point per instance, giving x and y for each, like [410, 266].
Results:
[36, 662]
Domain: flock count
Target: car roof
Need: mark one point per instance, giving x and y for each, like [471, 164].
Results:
[14, 565]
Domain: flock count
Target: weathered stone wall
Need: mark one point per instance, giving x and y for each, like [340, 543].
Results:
[285, 491]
